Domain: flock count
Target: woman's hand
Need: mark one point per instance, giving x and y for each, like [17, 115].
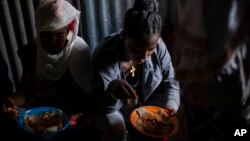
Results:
[121, 89]
[10, 108]
[171, 111]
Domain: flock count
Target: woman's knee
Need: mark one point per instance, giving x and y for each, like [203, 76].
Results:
[115, 126]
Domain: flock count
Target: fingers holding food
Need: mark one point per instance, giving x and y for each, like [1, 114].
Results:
[10, 109]
[121, 89]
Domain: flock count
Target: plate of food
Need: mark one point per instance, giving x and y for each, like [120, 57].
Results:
[154, 121]
[44, 121]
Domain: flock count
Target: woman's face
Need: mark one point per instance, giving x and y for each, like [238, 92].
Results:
[54, 41]
[140, 49]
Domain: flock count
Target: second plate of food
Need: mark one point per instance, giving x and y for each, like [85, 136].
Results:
[154, 121]
[44, 121]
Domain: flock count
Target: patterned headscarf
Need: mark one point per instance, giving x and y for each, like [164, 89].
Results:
[55, 14]
[52, 15]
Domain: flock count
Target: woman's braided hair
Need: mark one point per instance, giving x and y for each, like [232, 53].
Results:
[143, 19]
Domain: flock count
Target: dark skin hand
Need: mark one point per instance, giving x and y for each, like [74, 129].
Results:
[10, 108]
[171, 111]
[121, 89]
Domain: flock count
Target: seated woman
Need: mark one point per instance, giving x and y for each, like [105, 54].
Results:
[134, 65]
[56, 65]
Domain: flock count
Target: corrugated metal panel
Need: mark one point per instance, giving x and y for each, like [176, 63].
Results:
[98, 19]
[101, 17]
[10, 41]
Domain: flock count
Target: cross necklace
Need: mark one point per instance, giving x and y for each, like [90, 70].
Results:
[129, 67]
[132, 70]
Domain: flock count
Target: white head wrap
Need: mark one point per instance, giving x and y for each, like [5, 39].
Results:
[55, 14]
[52, 15]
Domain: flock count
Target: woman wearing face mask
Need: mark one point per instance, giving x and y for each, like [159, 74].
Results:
[134, 64]
[56, 65]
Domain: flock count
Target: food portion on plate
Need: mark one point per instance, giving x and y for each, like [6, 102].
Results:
[153, 121]
[43, 121]
[49, 121]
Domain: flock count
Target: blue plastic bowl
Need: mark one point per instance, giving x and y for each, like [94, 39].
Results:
[38, 112]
